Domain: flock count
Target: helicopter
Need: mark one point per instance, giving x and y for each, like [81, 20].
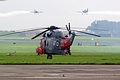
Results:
[53, 41]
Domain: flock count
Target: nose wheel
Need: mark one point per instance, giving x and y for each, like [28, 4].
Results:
[49, 56]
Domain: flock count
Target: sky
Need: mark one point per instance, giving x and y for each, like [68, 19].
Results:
[17, 14]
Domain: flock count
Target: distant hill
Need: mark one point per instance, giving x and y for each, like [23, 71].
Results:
[105, 28]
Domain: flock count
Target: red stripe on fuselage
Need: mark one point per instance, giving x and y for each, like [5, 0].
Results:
[65, 43]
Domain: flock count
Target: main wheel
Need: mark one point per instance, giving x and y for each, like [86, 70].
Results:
[49, 56]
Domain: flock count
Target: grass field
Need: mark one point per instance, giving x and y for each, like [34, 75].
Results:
[24, 53]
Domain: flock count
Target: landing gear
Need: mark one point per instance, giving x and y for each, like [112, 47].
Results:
[69, 52]
[49, 56]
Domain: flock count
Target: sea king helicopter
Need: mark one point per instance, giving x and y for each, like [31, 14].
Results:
[53, 42]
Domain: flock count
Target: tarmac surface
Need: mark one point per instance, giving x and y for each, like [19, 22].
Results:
[59, 72]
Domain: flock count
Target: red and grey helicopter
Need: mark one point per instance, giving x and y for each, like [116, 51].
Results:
[54, 42]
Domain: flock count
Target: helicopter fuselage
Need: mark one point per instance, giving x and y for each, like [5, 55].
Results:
[54, 43]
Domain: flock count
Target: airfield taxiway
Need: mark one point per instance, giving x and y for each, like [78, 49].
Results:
[59, 72]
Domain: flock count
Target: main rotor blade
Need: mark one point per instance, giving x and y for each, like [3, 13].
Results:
[39, 34]
[21, 32]
[98, 29]
[87, 33]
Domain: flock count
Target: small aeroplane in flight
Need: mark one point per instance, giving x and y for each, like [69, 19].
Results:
[84, 11]
[36, 11]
